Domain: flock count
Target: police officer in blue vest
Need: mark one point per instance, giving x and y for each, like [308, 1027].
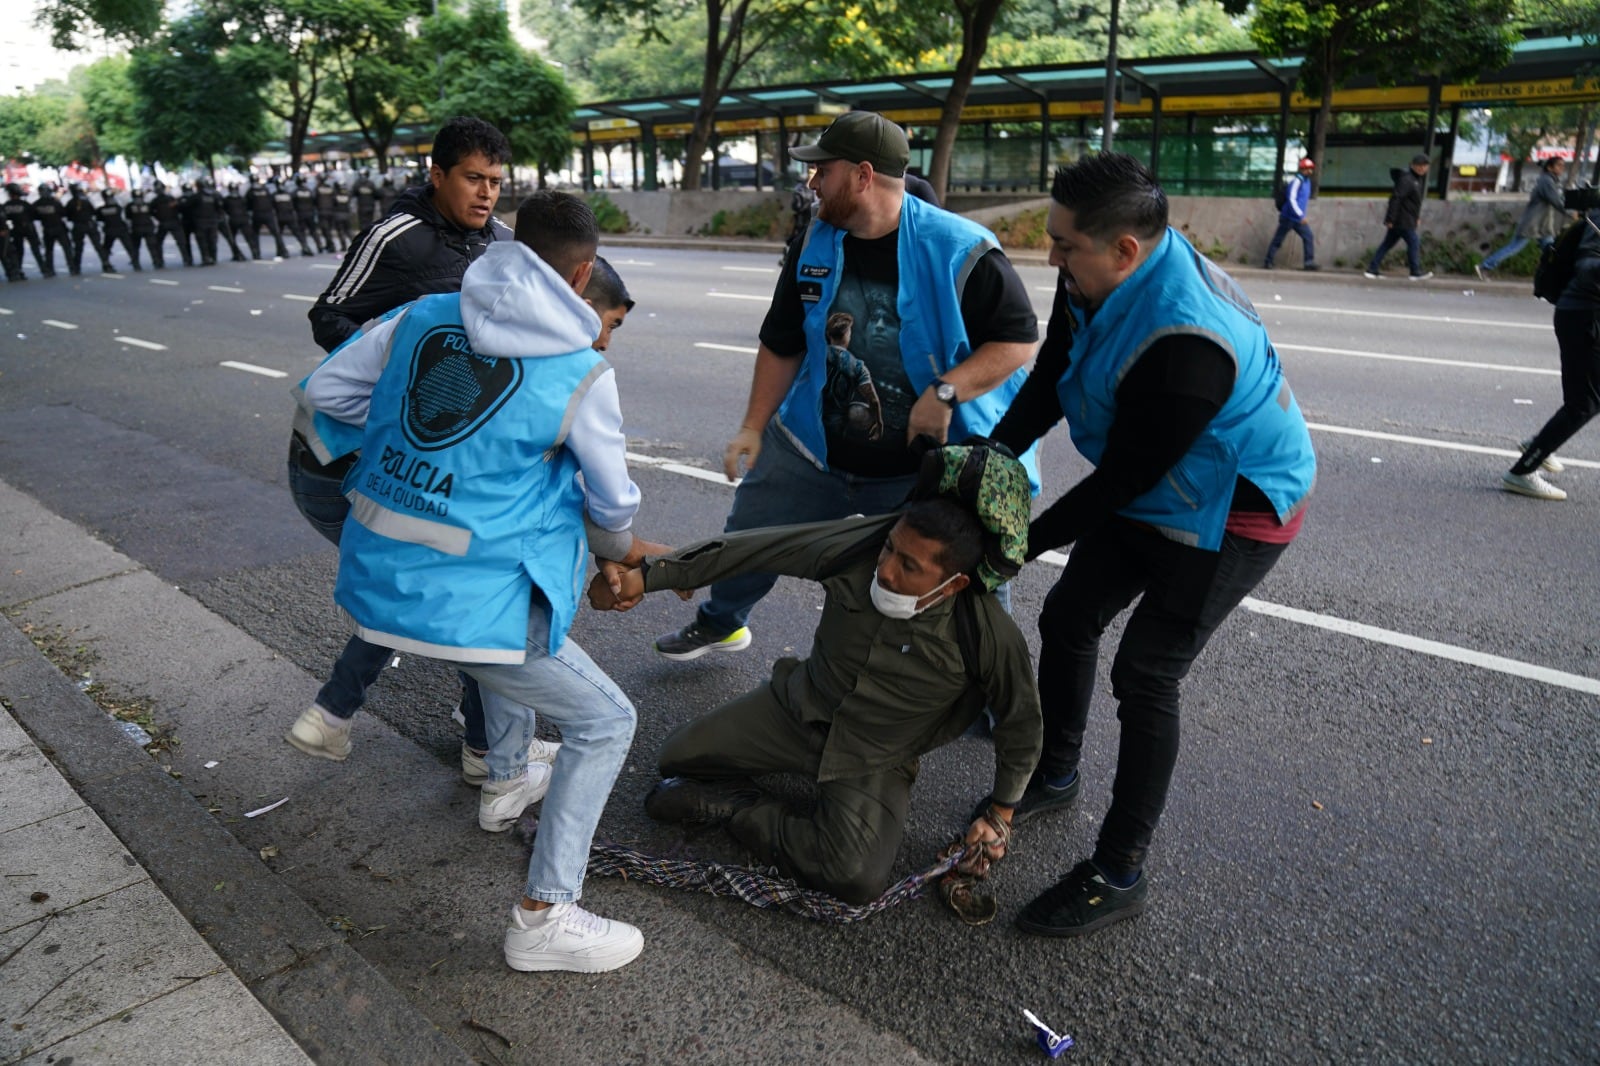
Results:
[1203, 465]
[466, 539]
[942, 324]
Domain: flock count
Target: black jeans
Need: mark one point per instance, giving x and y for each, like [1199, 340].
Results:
[1578, 334]
[1187, 593]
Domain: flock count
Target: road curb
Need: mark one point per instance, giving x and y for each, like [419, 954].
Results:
[330, 1000]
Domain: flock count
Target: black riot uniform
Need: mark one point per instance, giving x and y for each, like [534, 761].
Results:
[5, 249]
[81, 218]
[142, 222]
[202, 214]
[366, 198]
[387, 195]
[283, 205]
[164, 206]
[236, 222]
[20, 221]
[333, 237]
[305, 211]
[114, 228]
[343, 205]
[53, 230]
[264, 212]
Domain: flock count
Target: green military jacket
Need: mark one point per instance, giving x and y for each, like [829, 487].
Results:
[887, 690]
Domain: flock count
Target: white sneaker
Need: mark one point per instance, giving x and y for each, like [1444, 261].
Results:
[1550, 464]
[1371, 274]
[1531, 484]
[569, 938]
[312, 734]
[501, 803]
[1424, 276]
[475, 770]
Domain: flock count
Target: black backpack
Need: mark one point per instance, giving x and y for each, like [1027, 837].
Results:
[1558, 262]
[1280, 195]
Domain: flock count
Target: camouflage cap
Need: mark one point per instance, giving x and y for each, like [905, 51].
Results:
[987, 478]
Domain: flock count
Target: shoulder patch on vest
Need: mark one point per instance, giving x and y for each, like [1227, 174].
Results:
[453, 391]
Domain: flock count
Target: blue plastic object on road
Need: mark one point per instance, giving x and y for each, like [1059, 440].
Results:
[1051, 1042]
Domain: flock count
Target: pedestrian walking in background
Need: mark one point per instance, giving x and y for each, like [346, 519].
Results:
[1292, 216]
[1541, 219]
[1402, 217]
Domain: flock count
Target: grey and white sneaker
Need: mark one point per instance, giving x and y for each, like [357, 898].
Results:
[501, 803]
[1531, 484]
[1549, 464]
[694, 640]
[475, 771]
[564, 936]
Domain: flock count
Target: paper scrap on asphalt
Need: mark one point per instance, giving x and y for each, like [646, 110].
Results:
[268, 807]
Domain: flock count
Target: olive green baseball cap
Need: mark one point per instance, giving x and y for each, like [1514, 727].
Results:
[860, 137]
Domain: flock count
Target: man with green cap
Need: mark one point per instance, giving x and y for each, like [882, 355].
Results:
[942, 324]
[911, 646]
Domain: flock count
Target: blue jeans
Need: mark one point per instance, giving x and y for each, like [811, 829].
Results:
[319, 496]
[1394, 237]
[785, 488]
[1296, 225]
[1495, 258]
[597, 724]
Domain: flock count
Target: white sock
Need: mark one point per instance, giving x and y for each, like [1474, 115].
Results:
[532, 919]
[333, 721]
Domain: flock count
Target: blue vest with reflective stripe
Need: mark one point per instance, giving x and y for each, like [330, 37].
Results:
[937, 251]
[329, 438]
[464, 497]
[1259, 434]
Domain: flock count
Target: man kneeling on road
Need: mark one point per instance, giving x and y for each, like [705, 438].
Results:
[910, 648]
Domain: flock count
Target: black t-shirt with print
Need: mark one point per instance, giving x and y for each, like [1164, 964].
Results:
[867, 397]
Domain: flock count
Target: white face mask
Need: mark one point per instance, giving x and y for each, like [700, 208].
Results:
[900, 604]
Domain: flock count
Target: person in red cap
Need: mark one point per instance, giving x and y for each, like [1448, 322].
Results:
[1292, 216]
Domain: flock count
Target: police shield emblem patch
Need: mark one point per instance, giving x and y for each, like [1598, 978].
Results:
[453, 390]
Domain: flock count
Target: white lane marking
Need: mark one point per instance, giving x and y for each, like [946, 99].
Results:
[137, 343]
[740, 296]
[752, 270]
[724, 348]
[1483, 660]
[1451, 319]
[631, 262]
[223, 288]
[302, 299]
[6, 311]
[1463, 364]
[1428, 442]
[57, 323]
[250, 368]
[160, 281]
[324, 266]
[114, 276]
[1404, 641]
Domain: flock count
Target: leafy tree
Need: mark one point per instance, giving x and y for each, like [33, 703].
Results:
[382, 70]
[278, 47]
[482, 71]
[191, 100]
[70, 22]
[1386, 40]
[29, 124]
[110, 100]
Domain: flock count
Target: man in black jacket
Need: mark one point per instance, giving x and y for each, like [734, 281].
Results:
[288, 217]
[202, 214]
[80, 215]
[1401, 218]
[142, 223]
[53, 225]
[423, 247]
[20, 218]
[164, 206]
[263, 212]
[236, 222]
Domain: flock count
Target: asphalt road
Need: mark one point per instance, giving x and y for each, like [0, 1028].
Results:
[1381, 842]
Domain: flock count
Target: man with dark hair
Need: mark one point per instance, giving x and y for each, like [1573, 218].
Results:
[910, 648]
[1203, 465]
[1401, 218]
[943, 325]
[609, 297]
[476, 565]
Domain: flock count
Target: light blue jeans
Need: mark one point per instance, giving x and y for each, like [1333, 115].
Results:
[1495, 258]
[596, 722]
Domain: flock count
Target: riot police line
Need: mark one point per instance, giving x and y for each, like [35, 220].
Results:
[322, 213]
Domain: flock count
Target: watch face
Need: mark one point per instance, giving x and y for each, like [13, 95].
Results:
[945, 393]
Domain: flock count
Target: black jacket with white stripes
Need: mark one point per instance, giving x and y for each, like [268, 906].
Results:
[412, 251]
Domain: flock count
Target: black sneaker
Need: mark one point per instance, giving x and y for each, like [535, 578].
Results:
[1081, 903]
[1037, 798]
[700, 803]
[694, 640]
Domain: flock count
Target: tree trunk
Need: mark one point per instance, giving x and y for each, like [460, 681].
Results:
[977, 19]
[705, 112]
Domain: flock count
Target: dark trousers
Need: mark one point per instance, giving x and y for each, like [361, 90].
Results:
[229, 232]
[53, 237]
[205, 239]
[847, 845]
[1578, 334]
[271, 224]
[1293, 225]
[1394, 237]
[92, 235]
[318, 493]
[180, 237]
[1187, 592]
[152, 243]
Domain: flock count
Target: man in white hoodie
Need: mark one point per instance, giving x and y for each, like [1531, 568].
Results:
[466, 539]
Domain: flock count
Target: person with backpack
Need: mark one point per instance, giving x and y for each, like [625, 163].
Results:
[1293, 199]
[1402, 217]
[911, 645]
[1577, 326]
[1540, 221]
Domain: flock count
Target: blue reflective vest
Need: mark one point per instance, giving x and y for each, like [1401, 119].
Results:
[1259, 434]
[937, 251]
[329, 438]
[464, 498]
